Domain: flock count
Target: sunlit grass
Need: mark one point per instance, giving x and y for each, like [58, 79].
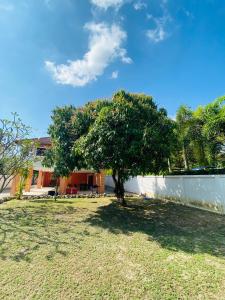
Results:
[95, 249]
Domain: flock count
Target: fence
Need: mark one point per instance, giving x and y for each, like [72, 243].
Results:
[206, 191]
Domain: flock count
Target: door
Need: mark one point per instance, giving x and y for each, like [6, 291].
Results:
[90, 180]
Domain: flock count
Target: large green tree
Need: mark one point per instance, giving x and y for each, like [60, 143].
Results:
[68, 125]
[214, 129]
[184, 119]
[201, 135]
[130, 136]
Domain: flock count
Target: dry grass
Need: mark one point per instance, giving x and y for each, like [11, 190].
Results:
[95, 249]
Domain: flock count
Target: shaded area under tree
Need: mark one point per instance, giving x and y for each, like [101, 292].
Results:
[173, 226]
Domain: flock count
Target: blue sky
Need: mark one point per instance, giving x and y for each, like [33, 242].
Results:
[58, 52]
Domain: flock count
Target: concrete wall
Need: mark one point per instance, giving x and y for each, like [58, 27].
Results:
[206, 191]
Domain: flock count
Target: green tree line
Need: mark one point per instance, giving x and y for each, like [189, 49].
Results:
[129, 135]
[200, 137]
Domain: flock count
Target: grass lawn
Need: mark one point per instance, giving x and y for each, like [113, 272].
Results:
[95, 249]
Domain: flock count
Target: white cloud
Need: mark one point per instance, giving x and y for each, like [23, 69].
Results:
[140, 5]
[123, 56]
[149, 16]
[105, 45]
[105, 4]
[188, 13]
[158, 34]
[115, 74]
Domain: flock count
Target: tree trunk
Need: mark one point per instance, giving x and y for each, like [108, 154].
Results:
[3, 185]
[119, 188]
[186, 164]
[5, 180]
[169, 165]
[204, 161]
[56, 190]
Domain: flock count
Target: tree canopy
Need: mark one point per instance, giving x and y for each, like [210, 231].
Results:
[200, 136]
[16, 150]
[130, 135]
[127, 134]
[68, 125]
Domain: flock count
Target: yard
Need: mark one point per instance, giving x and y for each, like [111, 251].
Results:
[95, 249]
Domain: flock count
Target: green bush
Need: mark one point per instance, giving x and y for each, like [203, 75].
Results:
[200, 172]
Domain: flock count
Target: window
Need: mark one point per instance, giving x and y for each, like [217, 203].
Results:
[40, 151]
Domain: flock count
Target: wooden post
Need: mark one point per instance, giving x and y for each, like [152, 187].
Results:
[15, 185]
[40, 179]
[29, 180]
[102, 182]
[63, 181]
[97, 181]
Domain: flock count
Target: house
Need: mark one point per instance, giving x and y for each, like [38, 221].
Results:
[40, 176]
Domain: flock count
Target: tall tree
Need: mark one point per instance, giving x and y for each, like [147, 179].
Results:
[198, 140]
[214, 128]
[62, 136]
[130, 136]
[68, 125]
[16, 150]
[201, 134]
[184, 121]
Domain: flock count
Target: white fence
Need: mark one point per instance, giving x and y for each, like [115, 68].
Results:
[206, 191]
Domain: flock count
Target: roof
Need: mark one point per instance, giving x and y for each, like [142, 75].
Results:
[43, 140]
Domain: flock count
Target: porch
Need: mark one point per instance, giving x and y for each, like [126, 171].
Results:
[84, 181]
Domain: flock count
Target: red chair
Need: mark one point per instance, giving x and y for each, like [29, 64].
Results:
[68, 191]
[73, 190]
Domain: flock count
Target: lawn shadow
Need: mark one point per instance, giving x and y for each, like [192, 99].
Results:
[51, 201]
[173, 226]
[23, 230]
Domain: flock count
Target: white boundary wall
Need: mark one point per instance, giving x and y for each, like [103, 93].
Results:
[206, 191]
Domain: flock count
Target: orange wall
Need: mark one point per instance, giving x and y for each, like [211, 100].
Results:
[47, 179]
[74, 178]
[78, 178]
